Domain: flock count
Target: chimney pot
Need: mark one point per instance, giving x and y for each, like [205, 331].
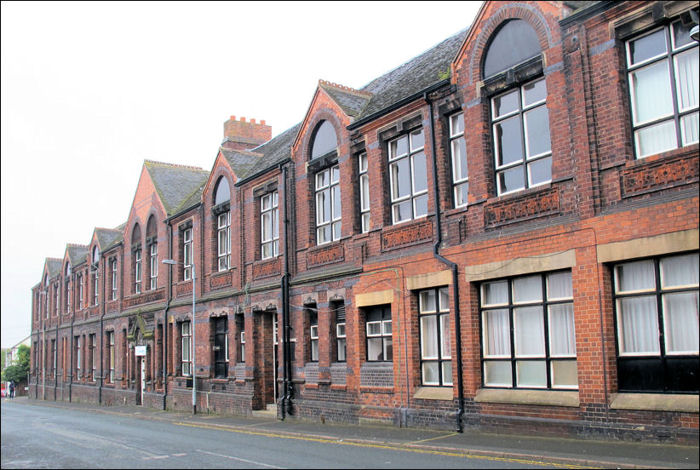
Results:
[252, 120]
[262, 123]
[242, 119]
[233, 118]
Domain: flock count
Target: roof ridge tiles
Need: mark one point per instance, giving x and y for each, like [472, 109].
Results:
[345, 88]
[177, 165]
[76, 245]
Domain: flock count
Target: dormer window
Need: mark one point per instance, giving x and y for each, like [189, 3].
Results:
[222, 195]
[269, 225]
[136, 258]
[96, 274]
[68, 287]
[408, 177]
[325, 140]
[327, 183]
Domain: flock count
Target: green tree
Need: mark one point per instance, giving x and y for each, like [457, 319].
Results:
[19, 371]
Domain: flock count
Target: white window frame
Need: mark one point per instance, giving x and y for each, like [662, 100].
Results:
[441, 311]
[57, 301]
[269, 223]
[79, 361]
[110, 342]
[670, 58]
[341, 342]
[327, 190]
[186, 348]
[457, 135]
[526, 160]
[153, 261]
[313, 335]
[187, 254]
[384, 331]
[96, 287]
[93, 354]
[81, 292]
[224, 245]
[114, 279]
[413, 195]
[242, 346]
[362, 164]
[137, 271]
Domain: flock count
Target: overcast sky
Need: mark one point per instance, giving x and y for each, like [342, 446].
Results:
[90, 90]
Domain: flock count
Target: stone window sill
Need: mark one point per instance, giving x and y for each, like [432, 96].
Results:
[434, 393]
[654, 402]
[528, 397]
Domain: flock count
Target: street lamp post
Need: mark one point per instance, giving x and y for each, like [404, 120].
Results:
[172, 262]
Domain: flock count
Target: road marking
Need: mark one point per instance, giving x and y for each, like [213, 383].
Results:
[179, 455]
[385, 446]
[239, 459]
[436, 438]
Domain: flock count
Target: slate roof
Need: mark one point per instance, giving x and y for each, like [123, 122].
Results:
[350, 101]
[108, 237]
[273, 152]
[241, 162]
[579, 5]
[77, 254]
[176, 184]
[54, 266]
[416, 75]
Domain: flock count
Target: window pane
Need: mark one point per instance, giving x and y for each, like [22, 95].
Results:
[374, 329]
[656, 139]
[540, 171]
[537, 131]
[652, 92]
[402, 211]
[323, 234]
[534, 92]
[505, 104]
[417, 139]
[427, 301]
[321, 179]
[562, 339]
[388, 350]
[531, 373]
[494, 293]
[400, 179]
[447, 372]
[457, 124]
[681, 322]
[266, 226]
[635, 276]
[564, 374]
[496, 324]
[336, 202]
[445, 337]
[511, 180]
[638, 327]
[509, 145]
[681, 35]
[687, 78]
[498, 373]
[336, 230]
[335, 174]
[363, 162]
[421, 205]
[398, 147]
[364, 192]
[527, 289]
[459, 158]
[559, 286]
[679, 271]
[365, 222]
[428, 337]
[529, 331]
[461, 192]
[444, 300]
[430, 373]
[420, 177]
[649, 46]
[689, 129]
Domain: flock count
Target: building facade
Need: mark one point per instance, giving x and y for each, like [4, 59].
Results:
[501, 233]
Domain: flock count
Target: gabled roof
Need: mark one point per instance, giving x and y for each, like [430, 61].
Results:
[77, 254]
[351, 101]
[240, 161]
[175, 184]
[107, 237]
[53, 266]
[273, 152]
[419, 73]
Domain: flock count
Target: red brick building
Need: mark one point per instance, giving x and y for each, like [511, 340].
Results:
[501, 233]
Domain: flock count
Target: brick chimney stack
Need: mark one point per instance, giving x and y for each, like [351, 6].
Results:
[242, 135]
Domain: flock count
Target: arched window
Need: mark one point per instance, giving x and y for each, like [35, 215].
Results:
[519, 114]
[67, 283]
[152, 243]
[136, 258]
[325, 140]
[223, 225]
[222, 192]
[513, 43]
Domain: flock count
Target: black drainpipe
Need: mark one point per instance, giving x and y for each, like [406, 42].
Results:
[452, 265]
[286, 356]
[103, 307]
[165, 316]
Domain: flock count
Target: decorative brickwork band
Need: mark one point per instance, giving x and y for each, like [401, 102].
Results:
[407, 235]
[522, 208]
[659, 175]
[266, 269]
[146, 297]
[325, 255]
[183, 288]
[221, 280]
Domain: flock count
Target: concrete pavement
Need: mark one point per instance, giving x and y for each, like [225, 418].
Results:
[563, 451]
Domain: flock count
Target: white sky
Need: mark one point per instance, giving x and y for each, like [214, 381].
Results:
[90, 90]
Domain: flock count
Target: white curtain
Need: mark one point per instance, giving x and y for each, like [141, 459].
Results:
[562, 339]
[680, 271]
[532, 373]
[636, 276]
[445, 350]
[428, 337]
[527, 289]
[529, 331]
[656, 139]
[496, 333]
[652, 92]
[687, 79]
[681, 322]
[494, 293]
[498, 373]
[638, 325]
[559, 286]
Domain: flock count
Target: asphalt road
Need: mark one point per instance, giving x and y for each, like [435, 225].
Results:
[46, 437]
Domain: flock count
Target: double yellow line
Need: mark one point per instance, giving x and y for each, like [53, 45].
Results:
[403, 448]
